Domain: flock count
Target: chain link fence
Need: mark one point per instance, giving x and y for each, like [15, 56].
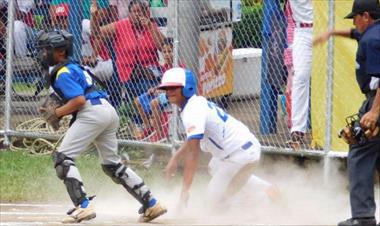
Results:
[238, 49]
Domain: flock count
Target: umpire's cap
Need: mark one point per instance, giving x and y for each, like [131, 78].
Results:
[361, 6]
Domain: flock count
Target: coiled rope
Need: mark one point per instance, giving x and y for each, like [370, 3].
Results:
[38, 146]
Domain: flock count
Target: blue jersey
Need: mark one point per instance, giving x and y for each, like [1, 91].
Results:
[368, 58]
[72, 81]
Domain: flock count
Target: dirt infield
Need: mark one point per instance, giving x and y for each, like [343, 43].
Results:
[304, 200]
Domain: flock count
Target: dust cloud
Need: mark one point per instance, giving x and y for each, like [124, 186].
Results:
[305, 199]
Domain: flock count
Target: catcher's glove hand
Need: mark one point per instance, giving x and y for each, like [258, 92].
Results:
[47, 110]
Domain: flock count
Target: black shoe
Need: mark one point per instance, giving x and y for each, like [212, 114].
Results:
[358, 222]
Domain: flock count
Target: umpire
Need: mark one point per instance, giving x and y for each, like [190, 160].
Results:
[364, 157]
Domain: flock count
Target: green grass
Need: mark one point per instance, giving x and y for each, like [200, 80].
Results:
[26, 177]
[32, 178]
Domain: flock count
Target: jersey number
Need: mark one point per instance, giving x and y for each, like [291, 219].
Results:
[222, 115]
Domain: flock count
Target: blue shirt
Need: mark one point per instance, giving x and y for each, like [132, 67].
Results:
[368, 56]
[72, 81]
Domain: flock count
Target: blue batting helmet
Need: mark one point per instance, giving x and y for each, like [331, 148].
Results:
[180, 77]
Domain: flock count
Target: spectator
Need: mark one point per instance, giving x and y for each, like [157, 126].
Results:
[23, 27]
[153, 103]
[61, 16]
[91, 47]
[95, 56]
[137, 52]
[288, 60]
[302, 13]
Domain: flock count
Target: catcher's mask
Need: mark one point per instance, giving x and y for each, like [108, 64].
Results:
[49, 41]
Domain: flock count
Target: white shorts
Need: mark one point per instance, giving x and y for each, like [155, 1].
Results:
[223, 170]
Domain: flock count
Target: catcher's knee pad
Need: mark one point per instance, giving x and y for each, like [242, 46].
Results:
[62, 164]
[67, 171]
[123, 175]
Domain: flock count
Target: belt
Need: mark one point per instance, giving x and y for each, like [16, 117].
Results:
[96, 101]
[304, 25]
[370, 94]
[245, 146]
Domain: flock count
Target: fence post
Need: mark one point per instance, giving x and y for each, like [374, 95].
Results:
[174, 119]
[329, 93]
[9, 72]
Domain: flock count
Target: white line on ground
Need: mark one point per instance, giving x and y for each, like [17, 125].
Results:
[29, 213]
[29, 223]
[28, 205]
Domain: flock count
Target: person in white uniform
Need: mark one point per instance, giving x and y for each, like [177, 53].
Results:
[234, 148]
[302, 12]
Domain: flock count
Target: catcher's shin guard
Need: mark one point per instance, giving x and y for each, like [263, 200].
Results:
[123, 175]
[68, 172]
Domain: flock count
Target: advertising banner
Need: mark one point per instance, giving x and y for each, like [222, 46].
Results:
[215, 62]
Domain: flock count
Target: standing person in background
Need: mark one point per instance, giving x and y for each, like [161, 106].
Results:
[94, 121]
[288, 60]
[23, 27]
[302, 13]
[137, 41]
[364, 157]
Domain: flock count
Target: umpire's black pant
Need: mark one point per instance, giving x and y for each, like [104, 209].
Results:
[362, 161]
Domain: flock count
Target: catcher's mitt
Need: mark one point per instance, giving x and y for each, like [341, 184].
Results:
[47, 110]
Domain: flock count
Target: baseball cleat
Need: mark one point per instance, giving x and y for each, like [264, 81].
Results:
[152, 213]
[79, 214]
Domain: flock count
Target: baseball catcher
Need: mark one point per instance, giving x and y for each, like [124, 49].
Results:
[95, 121]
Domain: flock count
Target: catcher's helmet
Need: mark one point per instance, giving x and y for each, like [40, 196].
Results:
[179, 77]
[53, 40]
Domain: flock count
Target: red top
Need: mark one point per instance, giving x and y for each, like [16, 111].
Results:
[103, 50]
[132, 46]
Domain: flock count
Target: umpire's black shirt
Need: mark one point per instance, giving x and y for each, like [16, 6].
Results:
[368, 57]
